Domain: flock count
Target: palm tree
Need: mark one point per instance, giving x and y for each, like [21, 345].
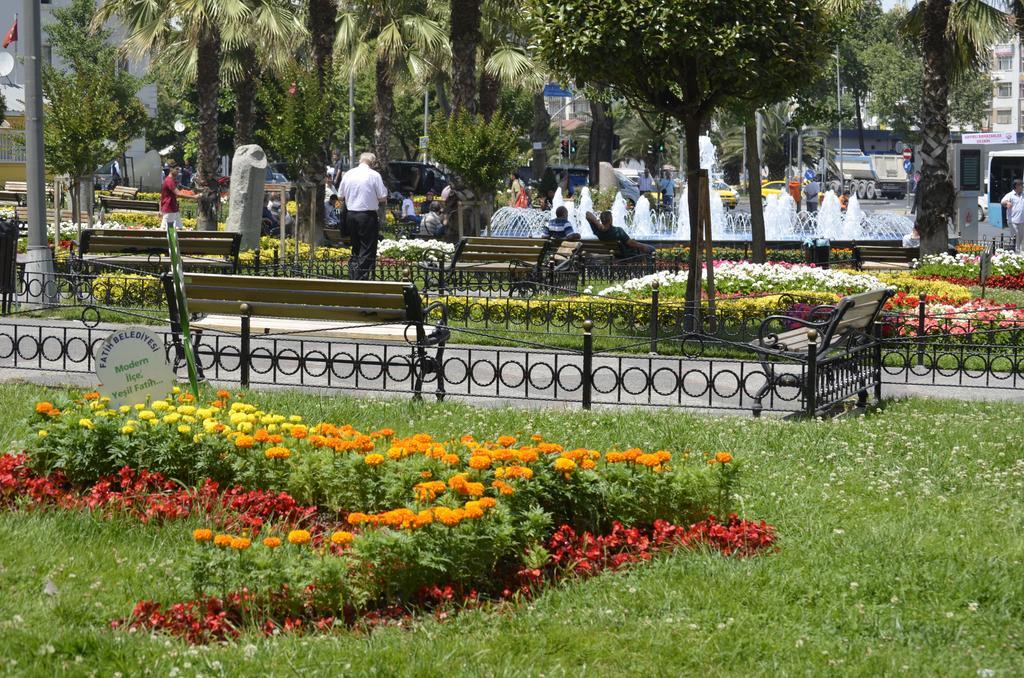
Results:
[464, 27]
[398, 37]
[955, 37]
[275, 29]
[191, 34]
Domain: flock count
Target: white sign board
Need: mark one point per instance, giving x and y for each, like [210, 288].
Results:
[986, 138]
[131, 366]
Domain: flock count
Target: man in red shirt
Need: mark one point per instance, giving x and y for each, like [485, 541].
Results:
[169, 195]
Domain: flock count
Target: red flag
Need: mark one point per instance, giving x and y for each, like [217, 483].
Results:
[12, 35]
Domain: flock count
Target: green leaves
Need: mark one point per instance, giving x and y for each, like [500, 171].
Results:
[481, 153]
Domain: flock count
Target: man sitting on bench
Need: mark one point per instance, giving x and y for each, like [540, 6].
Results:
[559, 227]
[605, 232]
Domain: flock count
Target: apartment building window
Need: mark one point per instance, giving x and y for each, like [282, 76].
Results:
[1003, 116]
[1004, 90]
[1004, 63]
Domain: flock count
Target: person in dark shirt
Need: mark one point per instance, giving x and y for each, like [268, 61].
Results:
[559, 227]
[605, 232]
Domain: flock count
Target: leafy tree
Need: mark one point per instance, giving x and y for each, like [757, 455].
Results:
[481, 153]
[686, 59]
[92, 109]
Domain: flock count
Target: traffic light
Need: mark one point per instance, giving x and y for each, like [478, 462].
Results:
[565, 148]
[661, 147]
[572, 146]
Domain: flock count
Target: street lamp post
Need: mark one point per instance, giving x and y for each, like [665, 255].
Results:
[839, 117]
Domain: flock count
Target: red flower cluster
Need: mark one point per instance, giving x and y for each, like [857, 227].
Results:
[149, 497]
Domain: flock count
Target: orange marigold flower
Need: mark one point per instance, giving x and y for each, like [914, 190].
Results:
[217, 403]
[564, 465]
[723, 457]
[479, 462]
[474, 510]
[473, 489]
[223, 394]
[386, 432]
[488, 502]
[466, 439]
[647, 460]
[261, 435]
[549, 448]
[222, 540]
[341, 538]
[449, 517]
[588, 464]
[202, 534]
[92, 395]
[278, 453]
[450, 459]
[536, 437]
[244, 442]
[44, 407]
[527, 455]
[426, 474]
[240, 543]
[423, 518]
[186, 398]
[506, 441]
[356, 518]
[53, 413]
[299, 431]
[457, 481]
[272, 542]
[503, 487]
[663, 456]
[373, 459]
[275, 438]
[299, 537]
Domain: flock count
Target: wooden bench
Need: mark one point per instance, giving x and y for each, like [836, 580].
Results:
[19, 191]
[147, 249]
[312, 307]
[836, 348]
[21, 216]
[512, 259]
[110, 203]
[334, 238]
[884, 257]
[124, 192]
[605, 253]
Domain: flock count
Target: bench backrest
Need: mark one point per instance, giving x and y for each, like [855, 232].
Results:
[883, 253]
[601, 248]
[127, 192]
[855, 314]
[564, 253]
[368, 301]
[112, 203]
[524, 251]
[334, 238]
[16, 186]
[154, 241]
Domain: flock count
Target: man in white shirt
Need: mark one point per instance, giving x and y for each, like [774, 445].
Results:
[1014, 204]
[363, 192]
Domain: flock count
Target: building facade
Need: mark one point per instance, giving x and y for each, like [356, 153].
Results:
[1005, 114]
[139, 166]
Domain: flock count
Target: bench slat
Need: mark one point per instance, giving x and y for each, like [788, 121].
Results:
[244, 281]
[257, 293]
[278, 310]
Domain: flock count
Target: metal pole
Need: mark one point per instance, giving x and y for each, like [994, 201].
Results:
[426, 117]
[351, 119]
[39, 258]
[839, 117]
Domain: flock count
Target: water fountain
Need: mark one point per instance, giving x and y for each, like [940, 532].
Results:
[853, 219]
[586, 205]
[619, 211]
[830, 217]
[642, 218]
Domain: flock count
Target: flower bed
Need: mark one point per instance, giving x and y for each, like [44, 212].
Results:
[414, 250]
[334, 525]
[966, 265]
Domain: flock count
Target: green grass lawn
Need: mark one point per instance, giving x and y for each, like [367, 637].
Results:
[900, 552]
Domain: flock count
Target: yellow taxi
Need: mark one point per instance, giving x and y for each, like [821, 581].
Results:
[726, 193]
[772, 188]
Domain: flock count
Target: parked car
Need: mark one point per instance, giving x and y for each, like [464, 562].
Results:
[418, 178]
[726, 193]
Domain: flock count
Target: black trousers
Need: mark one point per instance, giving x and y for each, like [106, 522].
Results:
[364, 228]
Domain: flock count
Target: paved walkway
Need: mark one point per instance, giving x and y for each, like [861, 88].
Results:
[57, 352]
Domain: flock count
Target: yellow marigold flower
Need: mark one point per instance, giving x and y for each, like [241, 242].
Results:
[564, 465]
[43, 433]
[240, 543]
[295, 419]
[139, 406]
[244, 442]
[176, 390]
[299, 537]
[222, 541]
[723, 457]
[187, 409]
[146, 415]
[395, 453]
[341, 538]
[202, 534]
[373, 459]
[124, 409]
[272, 542]
[85, 423]
[184, 429]
[159, 405]
[42, 407]
[479, 462]
[278, 453]
[171, 418]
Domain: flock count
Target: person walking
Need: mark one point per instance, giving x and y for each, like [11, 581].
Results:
[811, 190]
[115, 174]
[169, 195]
[520, 198]
[363, 192]
[1013, 202]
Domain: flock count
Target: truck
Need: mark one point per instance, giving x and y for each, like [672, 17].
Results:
[879, 175]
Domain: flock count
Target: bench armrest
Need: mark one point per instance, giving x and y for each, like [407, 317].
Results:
[771, 340]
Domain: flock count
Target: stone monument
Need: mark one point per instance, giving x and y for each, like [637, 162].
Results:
[245, 206]
[606, 177]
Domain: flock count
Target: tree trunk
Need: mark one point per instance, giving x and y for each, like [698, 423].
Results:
[601, 139]
[245, 105]
[442, 95]
[539, 135]
[757, 237]
[693, 286]
[464, 36]
[384, 104]
[321, 22]
[490, 88]
[937, 195]
[207, 90]
[860, 120]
